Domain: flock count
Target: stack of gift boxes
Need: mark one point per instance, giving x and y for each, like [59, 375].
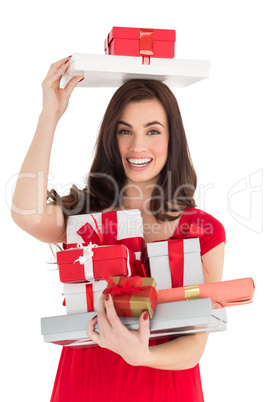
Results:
[105, 252]
[103, 249]
[104, 245]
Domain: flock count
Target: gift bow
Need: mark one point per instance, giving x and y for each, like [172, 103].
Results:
[125, 286]
[109, 233]
[89, 235]
[87, 253]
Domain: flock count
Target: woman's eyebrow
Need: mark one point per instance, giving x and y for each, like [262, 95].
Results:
[124, 123]
[151, 123]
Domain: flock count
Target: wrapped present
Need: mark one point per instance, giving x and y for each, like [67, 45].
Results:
[92, 262]
[225, 293]
[132, 296]
[169, 319]
[144, 42]
[107, 228]
[175, 262]
[100, 70]
[83, 297]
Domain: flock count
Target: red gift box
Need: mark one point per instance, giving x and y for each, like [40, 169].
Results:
[141, 42]
[86, 264]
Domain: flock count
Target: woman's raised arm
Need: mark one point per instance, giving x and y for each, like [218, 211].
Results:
[29, 209]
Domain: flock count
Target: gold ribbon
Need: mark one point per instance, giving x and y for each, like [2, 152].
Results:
[192, 292]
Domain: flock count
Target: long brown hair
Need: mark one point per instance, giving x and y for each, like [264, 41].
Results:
[106, 179]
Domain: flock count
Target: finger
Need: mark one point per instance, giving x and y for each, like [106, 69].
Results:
[111, 312]
[103, 321]
[144, 326]
[69, 87]
[56, 74]
[58, 64]
[57, 70]
[91, 330]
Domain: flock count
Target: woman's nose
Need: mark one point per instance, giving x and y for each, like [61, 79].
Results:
[138, 144]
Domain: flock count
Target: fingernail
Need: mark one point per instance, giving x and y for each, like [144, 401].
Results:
[107, 296]
[81, 79]
[146, 315]
[94, 317]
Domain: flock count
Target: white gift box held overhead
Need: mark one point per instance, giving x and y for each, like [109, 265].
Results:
[113, 71]
[176, 318]
[77, 296]
[159, 263]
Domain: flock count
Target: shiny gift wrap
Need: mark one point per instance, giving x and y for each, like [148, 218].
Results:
[132, 296]
[144, 42]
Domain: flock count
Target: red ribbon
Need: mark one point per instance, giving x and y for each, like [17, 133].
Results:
[109, 227]
[176, 255]
[126, 289]
[125, 286]
[146, 42]
[89, 296]
[176, 262]
[108, 235]
[136, 244]
[88, 234]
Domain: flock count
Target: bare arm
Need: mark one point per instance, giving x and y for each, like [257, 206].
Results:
[179, 354]
[29, 209]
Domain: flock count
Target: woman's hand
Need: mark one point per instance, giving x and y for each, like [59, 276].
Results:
[56, 99]
[132, 346]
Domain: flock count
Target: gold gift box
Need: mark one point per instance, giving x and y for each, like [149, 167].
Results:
[133, 304]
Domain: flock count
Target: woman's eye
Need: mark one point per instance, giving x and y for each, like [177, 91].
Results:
[154, 132]
[124, 132]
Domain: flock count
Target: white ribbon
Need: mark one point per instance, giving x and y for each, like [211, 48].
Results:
[128, 263]
[87, 260]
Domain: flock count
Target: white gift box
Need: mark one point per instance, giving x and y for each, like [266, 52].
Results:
[129, 226]
[77, 294]
[114, 70]
[159, 263]
[176, 318]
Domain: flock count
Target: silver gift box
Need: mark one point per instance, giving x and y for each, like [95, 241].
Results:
[175, 318]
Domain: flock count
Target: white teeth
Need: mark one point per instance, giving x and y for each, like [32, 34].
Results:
[139, 162]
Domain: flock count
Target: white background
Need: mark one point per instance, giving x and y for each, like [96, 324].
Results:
[225, 118]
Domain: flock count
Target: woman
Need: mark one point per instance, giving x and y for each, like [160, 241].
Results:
[141, 162]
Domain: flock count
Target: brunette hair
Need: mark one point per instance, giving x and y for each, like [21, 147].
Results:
[177, 182]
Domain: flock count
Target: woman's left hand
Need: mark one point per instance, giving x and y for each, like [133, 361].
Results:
[132, 346]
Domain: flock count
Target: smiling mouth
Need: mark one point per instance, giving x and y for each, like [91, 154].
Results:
[139, 162]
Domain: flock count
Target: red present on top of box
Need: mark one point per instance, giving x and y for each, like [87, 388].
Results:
[141, 42]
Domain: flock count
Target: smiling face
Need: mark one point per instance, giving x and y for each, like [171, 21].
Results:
[142, 134]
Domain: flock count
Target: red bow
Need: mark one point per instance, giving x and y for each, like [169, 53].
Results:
[125, 286]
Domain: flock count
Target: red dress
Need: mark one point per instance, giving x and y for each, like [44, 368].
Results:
[97, 374]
